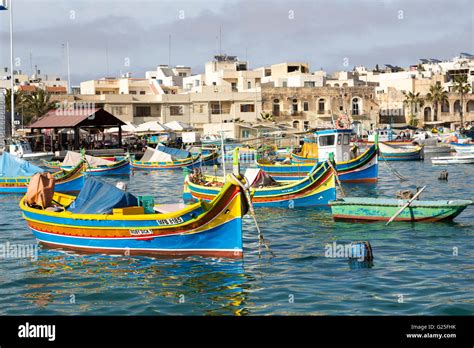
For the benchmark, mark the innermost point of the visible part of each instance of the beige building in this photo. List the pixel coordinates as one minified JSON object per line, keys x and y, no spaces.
{"x":305,"y":108}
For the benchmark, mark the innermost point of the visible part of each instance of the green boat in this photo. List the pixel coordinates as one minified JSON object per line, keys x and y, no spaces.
{"x":382,"y":209}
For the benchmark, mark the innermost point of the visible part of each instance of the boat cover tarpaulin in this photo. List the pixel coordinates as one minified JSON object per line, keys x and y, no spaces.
{"x":73,"y":158}
{"x":98,"y":197}
{"x":12,"y":166}
{"x":258,"y":178}
{"x":175,"y":153}
{"x":391,"y":149}
{"x":40,"y":190}
{"x":152,"y":155}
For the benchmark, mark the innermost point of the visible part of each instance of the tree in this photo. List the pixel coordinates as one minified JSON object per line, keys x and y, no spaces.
{"x":18,"y":99}
{"x":437,"y":96}
{"x":415,"y":102}
{"x":37,"y":104}
{"x":462,"y":87}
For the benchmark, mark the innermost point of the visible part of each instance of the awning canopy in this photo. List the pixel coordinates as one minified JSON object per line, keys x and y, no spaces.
{"x":178,"y":126}
{"x":96,"y":117}
{"x":152,"y":127}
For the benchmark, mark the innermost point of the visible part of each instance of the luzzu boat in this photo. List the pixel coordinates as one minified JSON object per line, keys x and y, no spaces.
{"x":317,"y":188}
{"x":94,"y":165}
{"x":363,"y":168}
{"x":402,"y":153}
{"x":382,"y":209}
{"x":15,"y":174}
{"x":167,"y":158}
{"x":104,"y":219}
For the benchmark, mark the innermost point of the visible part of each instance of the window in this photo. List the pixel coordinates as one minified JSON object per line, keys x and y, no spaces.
{"x":327,"y":140}
{"x":142,"y":92}
{"x":284,"y":84}
{"x":182,"y":74}
{"x":249,"y":85}
{"x":199,"y":108}
{"x":133,"y":92}
{"x":117,"y":110}
{"x":142,"y":111}
{"x":346,"y":140}
{"x":321,"y":106}
{"x":247,"y":108}
{"x":306,"y":125}
{"x":294,"y":107}
{"x":305,"y":106}
{"x":355,"y":106}
{"x":339,"y":139}
{"x":176,"y":110}
{"x":245,"y":134}
{"x":276,"y":107}
{"x":309,"y":84}
{"x":215,"y":108}
{"x":234,"y":86}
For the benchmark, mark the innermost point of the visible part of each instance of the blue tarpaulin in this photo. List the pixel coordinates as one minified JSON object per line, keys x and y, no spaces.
{"x":176,"y":153}
{"x":98,"y":197}
{"x":12,"y":166}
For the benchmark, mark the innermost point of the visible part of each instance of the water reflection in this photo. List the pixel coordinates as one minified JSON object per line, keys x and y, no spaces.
{"x":194,"y":285}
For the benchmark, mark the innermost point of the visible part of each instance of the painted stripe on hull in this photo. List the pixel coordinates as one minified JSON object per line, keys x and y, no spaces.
{"x":340,"y":217}
{"x":223,"y":239}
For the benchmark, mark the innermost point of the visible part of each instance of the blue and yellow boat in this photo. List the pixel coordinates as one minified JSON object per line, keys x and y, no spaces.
{"x":163,"y":158}
{"x":95,"y":166}
{"x":350,"y":168}
{"x":15,"y":174}
{"x":400,"y":153}
{"x":104,"y":219}
{"x":317,"y":188}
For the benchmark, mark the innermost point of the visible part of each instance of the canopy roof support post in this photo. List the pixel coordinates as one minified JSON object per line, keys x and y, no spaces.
{"x":76,"y":138}
{"x":120,"y":136}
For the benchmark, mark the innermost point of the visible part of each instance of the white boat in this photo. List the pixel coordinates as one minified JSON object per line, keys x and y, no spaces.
{"x":463,"y":148}
{"x":23,"y":150}
{"x":457,"y":159}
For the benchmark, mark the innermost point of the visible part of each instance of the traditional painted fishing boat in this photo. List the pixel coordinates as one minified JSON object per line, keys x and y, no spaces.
{"x":461,"y":159}
{"x":105,"y":219}
{"x":463,"y":148}
{"x":15,"y":174}
{"x":95,"y":166}
{"x":317,"y":188}
{"x":400,"y":153}
{"x":167,"y":158}
{"x":382,"y":209}
{"x":363,"y":168}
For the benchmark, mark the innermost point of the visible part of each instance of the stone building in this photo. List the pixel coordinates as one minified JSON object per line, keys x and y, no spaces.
{"x":311,"y":107}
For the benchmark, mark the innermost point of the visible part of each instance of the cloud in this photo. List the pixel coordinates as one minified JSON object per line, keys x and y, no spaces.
{"x":322,"y":33}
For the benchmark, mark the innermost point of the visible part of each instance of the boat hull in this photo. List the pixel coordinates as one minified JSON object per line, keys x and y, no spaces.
{"x":65,"y":183}
{"x":362,"y":169}
{"x":118,"y":168}
{"x":468,"y":159}
{"x":203,"y":229}
{"x":370,"y":209}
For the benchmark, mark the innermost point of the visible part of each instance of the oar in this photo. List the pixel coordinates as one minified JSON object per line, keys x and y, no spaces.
{"x":406,"y":205}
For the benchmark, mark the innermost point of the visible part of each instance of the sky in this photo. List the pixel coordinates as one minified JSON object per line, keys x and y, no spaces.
{"x":110,"y":37}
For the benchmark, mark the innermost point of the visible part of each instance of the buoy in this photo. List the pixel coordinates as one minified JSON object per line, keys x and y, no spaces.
{"x":443,"y":175}
{"x":361,"y":252}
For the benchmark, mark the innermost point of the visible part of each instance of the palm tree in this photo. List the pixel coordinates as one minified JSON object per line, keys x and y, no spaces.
{"x":415,"y":102}
{"x":462,"y":87}
{"x":18,"y":99}
{"x":437,"y":96}
{"x":38,"y":104}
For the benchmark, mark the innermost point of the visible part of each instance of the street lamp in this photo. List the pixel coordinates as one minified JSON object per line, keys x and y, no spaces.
{"x":3,"y":6}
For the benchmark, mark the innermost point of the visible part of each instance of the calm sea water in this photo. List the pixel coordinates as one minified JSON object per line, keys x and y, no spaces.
{"x":418,"y":269}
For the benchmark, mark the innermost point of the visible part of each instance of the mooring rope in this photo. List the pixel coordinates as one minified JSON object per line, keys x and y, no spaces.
{"x":337,"y":178}
{"x":261,"y":239}
{"x":394,"y":172}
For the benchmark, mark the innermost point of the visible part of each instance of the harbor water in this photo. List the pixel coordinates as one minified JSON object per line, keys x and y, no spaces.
{"x":418,"y":269}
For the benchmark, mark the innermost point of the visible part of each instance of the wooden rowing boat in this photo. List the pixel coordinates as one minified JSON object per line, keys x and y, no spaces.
{"x":460,"y":159}
{"x":400,"y":153}
{"x":382,"y":209}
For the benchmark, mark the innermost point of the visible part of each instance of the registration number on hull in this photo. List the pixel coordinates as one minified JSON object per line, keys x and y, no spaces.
{"x":171,"y":221}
